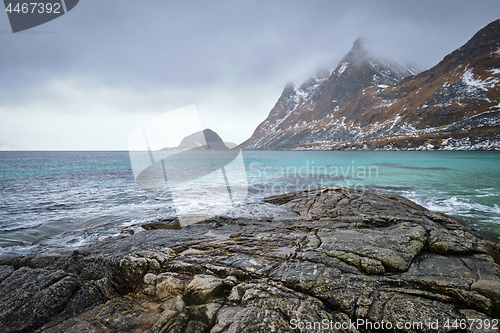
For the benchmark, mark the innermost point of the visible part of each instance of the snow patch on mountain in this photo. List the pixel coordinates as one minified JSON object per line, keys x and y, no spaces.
{"x":342,"y":68}
{"x":387,"y":103}
{"x":387,"y":72}
{"x":468,"y":79}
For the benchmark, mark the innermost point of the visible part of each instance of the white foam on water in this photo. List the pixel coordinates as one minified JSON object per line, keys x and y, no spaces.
{"x":486,"y":192}
{"x":17,"y":250}
{"x":457,"y":205}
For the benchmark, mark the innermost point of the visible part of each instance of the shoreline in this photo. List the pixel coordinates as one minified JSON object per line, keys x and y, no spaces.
{"x":333,"y":254}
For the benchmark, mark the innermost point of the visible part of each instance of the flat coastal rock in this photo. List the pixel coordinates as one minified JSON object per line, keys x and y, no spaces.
{"x":345,"y":259}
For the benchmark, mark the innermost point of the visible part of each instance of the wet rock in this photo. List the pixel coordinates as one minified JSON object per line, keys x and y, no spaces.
{"x":173,"y":319}
{"x":478,"y":322}
{"x":490,"y":288}
{"x":5,"y":271}
{"x":331,"y":254}
{"x":454,"y":242}
{"x":126,"y":232}
{"x":106,"y":288}
{"x":194,"y":326}
{"x":30,"y":297}
{"x":272,"y":307}
{"x":163,"y":224}
{"x":245,"y":320}
{"x":416,"y":312}
{"x":170,"y":284}
{"x":395,"y":247}
{"x":372,"y":266}
{"x":449,"y":277}
{"x":117,"y":315}
{"x":202,"y":288}
{"x":138,"y":264}
{"x":150,"y":284}
{"x":205,"y":313}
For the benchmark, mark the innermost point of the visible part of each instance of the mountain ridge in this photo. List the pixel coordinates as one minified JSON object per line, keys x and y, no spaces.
{"x":373,"y":103}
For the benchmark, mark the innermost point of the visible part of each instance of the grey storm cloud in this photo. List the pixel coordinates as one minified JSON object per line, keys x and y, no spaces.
{"x":215,"y":53}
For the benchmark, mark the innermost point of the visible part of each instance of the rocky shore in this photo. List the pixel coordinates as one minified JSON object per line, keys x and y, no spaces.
{"x":334,"y":256}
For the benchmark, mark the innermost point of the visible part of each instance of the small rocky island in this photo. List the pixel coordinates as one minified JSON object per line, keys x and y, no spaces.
{"x":334,"y":257}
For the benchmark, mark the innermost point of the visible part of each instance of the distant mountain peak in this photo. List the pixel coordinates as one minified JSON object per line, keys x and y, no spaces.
{"x":5,"y":146}
{"x":325,"y":93}
{"x":358,"y":44}
{"x":202,"y":140}
{"x":366,"y":68}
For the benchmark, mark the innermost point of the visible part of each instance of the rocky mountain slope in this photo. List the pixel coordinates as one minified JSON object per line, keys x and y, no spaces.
{"x":371,"y":103}
{"x":331,"y":255}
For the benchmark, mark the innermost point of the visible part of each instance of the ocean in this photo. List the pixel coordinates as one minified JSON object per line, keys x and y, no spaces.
{"x":56,"y":201}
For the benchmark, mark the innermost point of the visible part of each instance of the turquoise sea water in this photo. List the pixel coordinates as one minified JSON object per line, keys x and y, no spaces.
{"x":55,"y":200}
{"x":463,"y":184}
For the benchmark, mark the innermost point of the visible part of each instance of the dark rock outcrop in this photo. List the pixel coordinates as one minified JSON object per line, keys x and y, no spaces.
{"x":337,"y":256}
{"x":202,"y":140}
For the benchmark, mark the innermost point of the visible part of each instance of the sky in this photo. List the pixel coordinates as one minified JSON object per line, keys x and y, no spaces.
{"x":87,"y":79}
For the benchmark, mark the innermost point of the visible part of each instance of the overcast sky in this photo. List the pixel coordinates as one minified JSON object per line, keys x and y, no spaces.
{"x":84,"y":81}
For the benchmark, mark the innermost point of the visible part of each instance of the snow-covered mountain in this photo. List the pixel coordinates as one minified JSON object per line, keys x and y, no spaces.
{"x":372,"y":103}
{"x":5,"y":146}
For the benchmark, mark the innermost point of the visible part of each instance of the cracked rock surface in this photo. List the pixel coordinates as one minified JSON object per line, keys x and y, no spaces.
{"x":334,"y":255}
